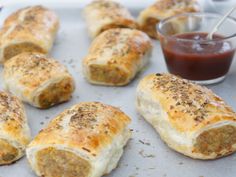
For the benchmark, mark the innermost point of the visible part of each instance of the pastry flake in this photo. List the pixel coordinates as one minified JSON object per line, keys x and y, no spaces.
{"x":86,"y":140}
{"x":30,"y":29}
{"x":38,"y":80}
{"x":102,"y":15}
{"x":190,"y":118}
{"x":162,"y":9}
{"x":116,"y":56}
{"x":14,"y":129}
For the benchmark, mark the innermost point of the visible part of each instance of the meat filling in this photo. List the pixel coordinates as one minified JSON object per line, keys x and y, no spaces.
{"x":8,"y":153}
{"x":112,"y":75}
{"x":150,"y":27}
{"x":57,"y":163}
{"x":15,"y":49}
{"x":56,"y":93}
{"x":216,"y":140}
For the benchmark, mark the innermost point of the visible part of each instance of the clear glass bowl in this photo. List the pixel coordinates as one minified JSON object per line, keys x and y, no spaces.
{"x":189,"y":54}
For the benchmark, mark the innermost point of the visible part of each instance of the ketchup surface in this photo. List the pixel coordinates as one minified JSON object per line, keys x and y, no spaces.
{"x":198,"y":60}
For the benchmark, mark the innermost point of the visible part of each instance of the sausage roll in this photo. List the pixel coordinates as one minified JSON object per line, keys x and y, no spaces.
{"x":190,"y":118}
{"x":14,"y":130}
{"x":38,"y":80}
{"x":102,"y":15}
{"x":116,"y":56}
{"x":31,"y":29}
{"x":86,"y":140}
{"x":162,"y":9}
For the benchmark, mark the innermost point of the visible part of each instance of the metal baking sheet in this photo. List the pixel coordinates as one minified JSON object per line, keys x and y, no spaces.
{"x":145,"y":155}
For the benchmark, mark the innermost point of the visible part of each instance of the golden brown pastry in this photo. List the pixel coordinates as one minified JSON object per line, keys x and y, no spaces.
{"x":102,"y":15}
{"x":31,"y":29}
{"x":190,"y":118}
{"x":86,"y":140}
{"x":38,"y":80}
{"x":14,"y":130}
{"x":162,"y":9}
{"x":116,"y":56}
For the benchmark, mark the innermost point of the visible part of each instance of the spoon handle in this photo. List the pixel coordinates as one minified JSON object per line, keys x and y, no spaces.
{"x":210,"y":35}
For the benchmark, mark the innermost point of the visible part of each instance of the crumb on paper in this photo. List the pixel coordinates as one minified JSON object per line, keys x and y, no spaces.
{"x":133,"y":175}
{"x":56,"y":42}
{"x":146,"y":155}
{"x":144,"y":143}
{"x":152,"y":168}
{"x":181,"y":163}
{"x":70,"y":61}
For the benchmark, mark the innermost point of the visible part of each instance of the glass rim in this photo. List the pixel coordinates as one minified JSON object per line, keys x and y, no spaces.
{"x":173,"y":37}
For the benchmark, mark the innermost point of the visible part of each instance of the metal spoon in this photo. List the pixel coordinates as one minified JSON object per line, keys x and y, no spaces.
{"x":210,"y":35}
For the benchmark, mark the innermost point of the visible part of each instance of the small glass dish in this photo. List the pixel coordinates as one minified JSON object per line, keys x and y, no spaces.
{"x":189,"y":54}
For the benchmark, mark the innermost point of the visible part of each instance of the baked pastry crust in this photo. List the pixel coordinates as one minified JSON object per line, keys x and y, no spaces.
{"x":31,"y":29}
{"x":38,"y":80}
{"x":190,"y":118}
{"x":116,"y":56}
{"x":14,"y":130}
{"x":162,"y":9}
{"x":86,"y":140}
{"x":102,"y":15}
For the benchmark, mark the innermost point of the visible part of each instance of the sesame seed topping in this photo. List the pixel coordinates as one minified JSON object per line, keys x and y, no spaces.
{"x":187,"y":97}
{"x":84,"y":117}
{"x":10,"y":109}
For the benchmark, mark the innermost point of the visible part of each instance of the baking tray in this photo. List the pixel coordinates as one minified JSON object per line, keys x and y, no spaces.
{"x":145,"y":155}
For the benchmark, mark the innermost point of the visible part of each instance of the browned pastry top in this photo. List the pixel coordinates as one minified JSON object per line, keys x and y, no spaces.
{"x":33,"y":69}
{"x":88,"y":126}
{"x":12,"y":117}
{"x":189,"y":106}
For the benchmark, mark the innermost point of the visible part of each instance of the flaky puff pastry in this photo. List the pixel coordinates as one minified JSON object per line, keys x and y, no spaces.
{"x":190,"y":118}
{"x":86,"y":140}
{"x":116,"y":56}
{"x":101,"y":15}
{"x":38,"y":80}
{"x":31,"y":29}
{"x":14,"y":130}
{"x":162,"y":9}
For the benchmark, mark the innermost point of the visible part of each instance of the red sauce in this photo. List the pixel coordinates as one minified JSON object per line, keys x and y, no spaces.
{"x":198,"y":60}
